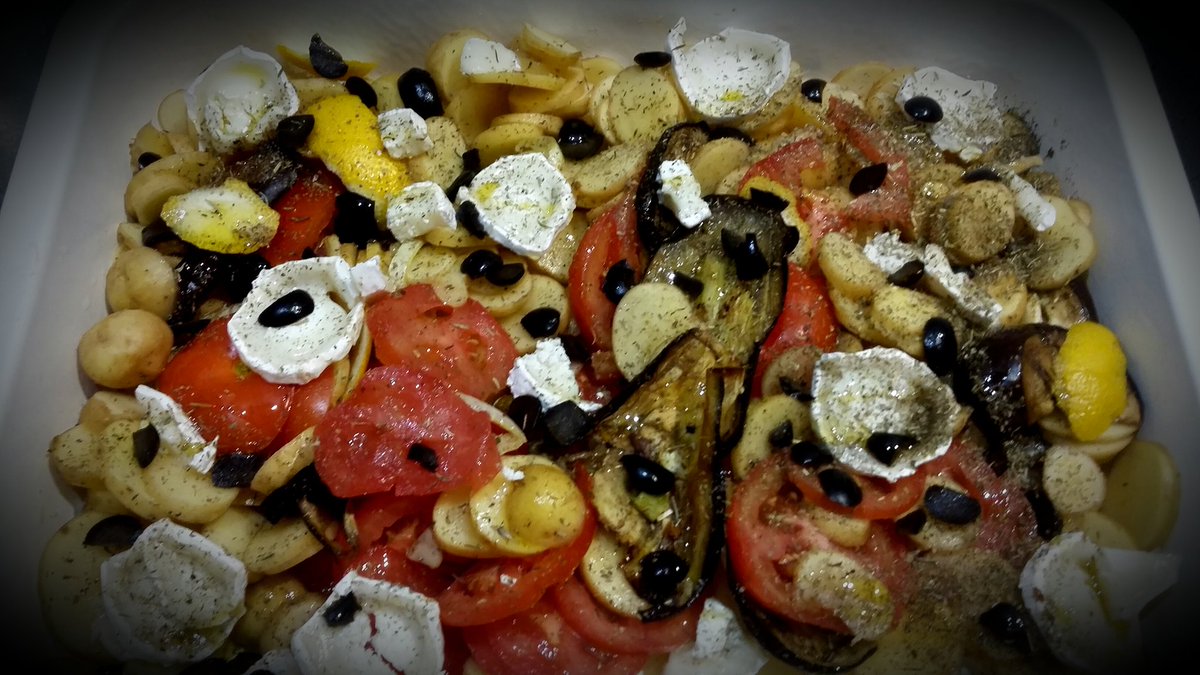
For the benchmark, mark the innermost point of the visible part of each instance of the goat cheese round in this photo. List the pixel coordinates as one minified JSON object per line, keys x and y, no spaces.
{"x":393,"y":630}
{"x":299,"y":351}
{"x":971,"y":122}
{"x":523,"y":202}
{"x":239,"y":100}
{"x":171,"y":598}
{"x":731,"y":74}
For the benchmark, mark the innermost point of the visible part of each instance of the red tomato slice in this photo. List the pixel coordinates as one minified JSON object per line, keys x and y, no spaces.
{"x":789,"y":164}
{"x":310,"y":402}
{"x":494,"y":589}
{"x":306,"y":213}
{"x":767,"y":530}
{"x":807,"y":318}
{"x":374,"y":514}
{"x":363,"y":443}
{"x":539,"y":640}
{"x":227,"y":401}
{"x":890,"y":206}
{"x":389,"y":561}
{"x":621,"y":634}
{"x":465,"y":346}
{"x":613,"y":237}
{"x":881,"y":499}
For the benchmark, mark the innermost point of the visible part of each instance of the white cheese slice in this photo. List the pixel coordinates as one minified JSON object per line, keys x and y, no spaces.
{"x":369,"y":276}
{"x":856,"y":394}
{"x":721,"y":646}
{"x":523,"y":202}
{"x":1033,"y":207}
{"x":395,"y":630}
{"x":239,"y":100}
{"x":547,"y":374}
{"x":404,"y":133}
{"x":419,"y":208}
{"x":176,"y":430}
{"x":171,"y":598}
{"x":299,"y":352}
{"x":731,"y":74}
{"x":481,"y":56}
{"x":680,"y":192}
{"x":971,"y":122}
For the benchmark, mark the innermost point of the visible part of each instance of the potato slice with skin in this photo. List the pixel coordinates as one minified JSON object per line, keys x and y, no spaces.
{"x":235,"y":529}
{"x":715,"y":159}
{"x":861,"y":77}
{"x":901,"y":314}
{"x":488,"y":507}
{"x":443,"y":162}
{"x":647,"y":319}
{"x":285,"y":462}
{"x":502,"y":139}
{"x":602,"y":176}
{"x":186,"y":495}
{"x":279,"y":547}
{"x":454,"y":529}
{"x":602,"y":574}
{"x":1142,"y":493}
{"x":642,"y":103}
{"x":1073,"y":481}
{"x":763,"y":417}
{"x":544,"y":100}
{"x":550,"y":49}
{"x":847,"y":267}
{"x":75,"y":457}
{"x":123,"y":477}
{"x":69,"y":586}
{"x":475,"y":106}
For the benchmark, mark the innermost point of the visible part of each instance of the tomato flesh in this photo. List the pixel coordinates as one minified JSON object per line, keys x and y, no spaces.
{"x":881,"y":499}
{"x":622,"y":634}
{"x":613,"y":237}
{"x":306,"y":214}
{"x":807,"y":318}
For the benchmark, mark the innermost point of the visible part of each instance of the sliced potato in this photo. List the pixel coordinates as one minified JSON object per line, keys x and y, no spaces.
{"x":642,"y":103}
{"x":69,"y":586}
{"x":105,"y":407}
{"x":715,"y":159}
{"x":549,"y":125}
{"x":1142,"y":493}
{"x":266,"y":600}
{"x":842,"y":530}
{"x":900,"y":314}
{"x":123,"y":477}
{"x":533,"y":76}
{"x":489,"y":509}
{"x":279,"y":547}
{"x":861,"y":77}
{"x":648,"y":318}
{"x":475,"y":106}
{"x":444,"y":61}
{"x":601,"y":571}
{"x":148,"y":138}
{"x":443,"y":162}
{"x":1055,"y":257}
{"x":185,"y":494}
{"x":847,"y":267}
{"x":1101,"y":529}
{"x":550,"y":49}
{"x":454,"y":528}
{"x":235,"y":529}
{"x":172,"y":114}
{"x":285,"y":462}
{"x":75,"y":457}
{"x":764,"y":416}
{"x":1073,"y":481}
{"x":602,"y":176}
{"x":172,"y":175}
{"x":564,"y":99}
{"x":556,"y":261}
{"x":499,"y":140}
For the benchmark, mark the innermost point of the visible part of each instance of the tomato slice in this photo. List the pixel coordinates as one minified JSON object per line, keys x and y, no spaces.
{"x":807,"y":318}
{"x":228,"y":402}
{"x":791,"y":165}
{"x":539,"y":640}
{"x":306,"y":214}
{"x":621,"y":634}
{"x":889,"y":206}
{"x":493,"y":589}
{"x":310,"y":402}
{"x":613,"y":237}
{"x":767,"y":531}
{"x":881,"y":499}
{"x":389,"y":561}
{"x":374,"y":514}
{"x":465,"y":346}
{"x":364,"y":443}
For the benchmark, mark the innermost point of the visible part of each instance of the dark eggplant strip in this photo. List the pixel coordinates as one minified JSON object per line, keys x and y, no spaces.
{"x":657,"y":224}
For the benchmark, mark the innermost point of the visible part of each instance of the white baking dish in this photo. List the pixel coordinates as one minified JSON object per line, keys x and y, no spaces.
{"x":1074,"y":67}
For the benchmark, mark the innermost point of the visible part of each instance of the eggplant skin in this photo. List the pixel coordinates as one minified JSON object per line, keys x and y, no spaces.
{"x":657,"y":225}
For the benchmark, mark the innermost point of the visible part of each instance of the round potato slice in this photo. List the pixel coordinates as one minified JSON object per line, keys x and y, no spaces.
{"x":647,"y":319}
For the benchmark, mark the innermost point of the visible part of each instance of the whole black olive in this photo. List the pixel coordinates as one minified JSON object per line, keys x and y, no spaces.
{"x":941,"y":346}
{"x":579,"y":140}
{"x":813,"y":89}
{"x":341,"y":611}
{"x":326,"y":60}
{"x":951,"y":506}
{"x":885,"y":446}
{"x":690,"y":285}
{"x":908,"y":275}
{"x":840,"y":487}
{"x":480,"y":262}
{"x":868,"y":179}
{"x":354,"y":222}
{"x":363,"y":90}
{"x":809,"y":454}
{"x":643,"y":474}
{"x":235,"y":469}
{"x":618,"y":280}
{"x":661,"y":573}
{"x":923,"y":109}
{"x":291,"y":132}
{"x":541,"y":322}
{"x":505,"y":274}
{"x":1006,"y":623}
{"x":288,"y":309}
{"x":419,"y":92}
{"x":467,"y":215}
{"x":653,"y":59}
{"x":147,"y":158}
{"x":566,"y":423}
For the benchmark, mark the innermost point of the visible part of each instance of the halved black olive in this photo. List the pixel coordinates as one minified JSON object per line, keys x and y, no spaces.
{"x":885,"y":446}
{"x":480,"y":262}
{"x":747,"y":255}
{"x":908,"y":275}
{"x":118,"y":531}
{"x":145,"y":445}
{"x":147,"y":158}
{"x":240,"y":271}
{"x":305,"y":487}
{"x":526,"y":411}
{"x":981,"y":173}
{"x":690,"y":285}
{"x":1005,"y":622}
{"x":157,"y":233}
{"x":652,"y":59}
{"x":288,"y":309}
{"x":326,"y":60}
{"x":293,"y":131}
{"x":768,"y":199}
{"x":471,"y":160}
{"x":505,"y":274}
{"x":811,"y":455}
{"x":643,"y":474}
{"x":1049,"y":522}
{"x":618,"y":280}
{"x":941,"y":346}
{"x":235,"y":469}
{"x":912,"y":522}
{"x":567,"y":423}
{"x":354,"y":221}
{"x":341,"y":611}
{"x":419,"y":92}
{"x":467,"y":215}
{"x":425,"y":456}
{"x":923,"y":109}
{"x":812,"y":89}
{"x":840,"y":487}
{"x":541,"y":322}
{"x":661,"y":573}
{"x":951,"y":506}
{"x":579,"y":140}
{"x":781,"y":436}
{"x":363,"y":90}
{"x":868,"y":179}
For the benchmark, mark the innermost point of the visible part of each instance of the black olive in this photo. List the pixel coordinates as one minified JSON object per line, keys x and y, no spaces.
{"x":467,"y":215}
{"x":363,"y":90}
{"x":341,"y":611}
{"x":566,"y":423}
{"x":730,"y":132}
{"x":240,"y":272}
{"x":235,"y":469}
{"x":912,"y":522}
{"x":646,"y":475}
{"x":479,"y":262}
{"x":797,"y":390}
{"x":781,"y":435}
{"x":923,"y":109}
{"x":1007,"y":623}
{"x":471,"y":160}
{"x":288,"y":309}
{"x":578,"y":349}
{"x":768,"y":199}
{"x":157,"y":232}
{"x":652,"y":59}
{"x":425,"y":456}
{"x":461,"y":180}
{"x":1049,"y":522}
{"x":809,"y":454}
{"x":419,"y":92}
{"x":951,"y":506}
{"x":840,"y":487}
{"x":908,"y":275}
{"x":145,"y":445}
{"x":325,"y":59}
{"x":868,"y":179}
{"x":813,"y":89}
{"x":981,"y":173}
{"x":579,"y":140}
{"x":661,"y":573}
{"x":182,"y":332}
{"x":885,"y":446}
{"x":541,"y":322}
{"x":119,"y":531}
{"x":526,"y":411}
{"x":505,"y":274}
{"x":747,"y":256}
{"x":292,"y":132}
{"x":618,"y":280}
{"x":146,"y":159}
{"x":354,"y":221}
{"x":941,"y":346}
{"x":690,"y":285}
